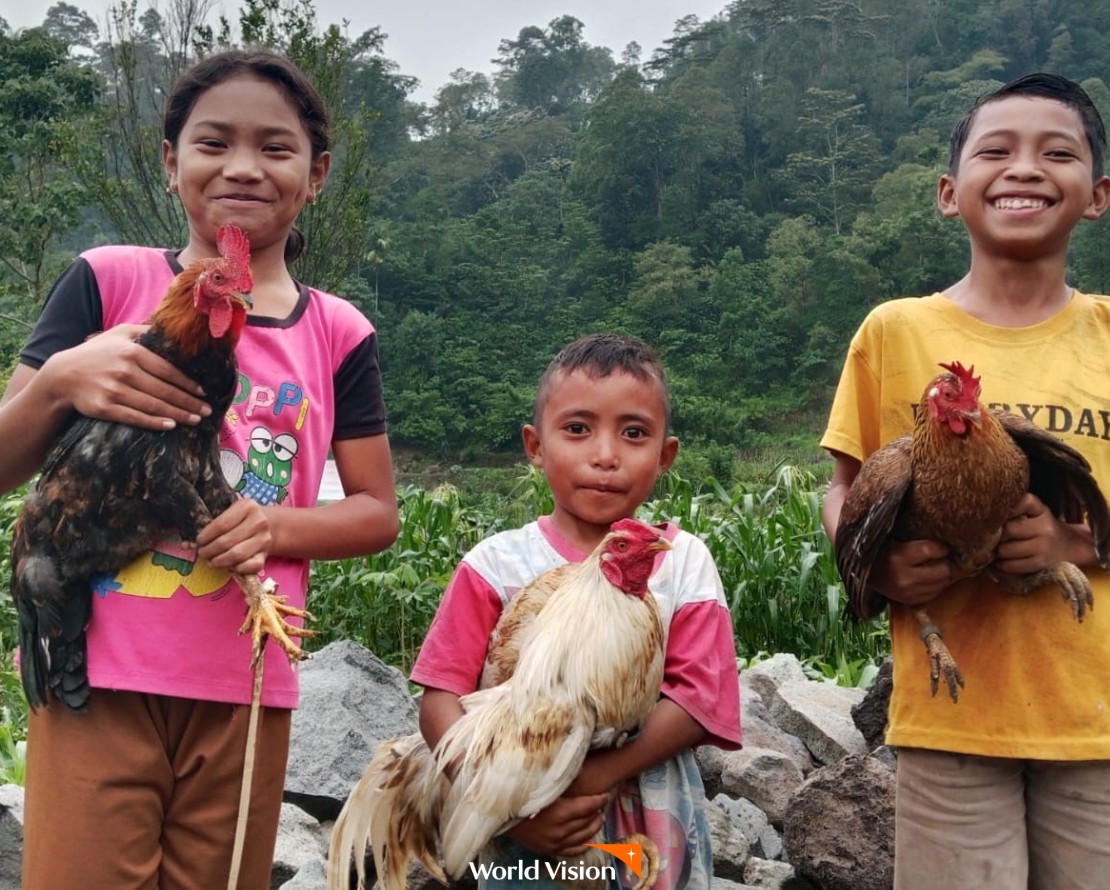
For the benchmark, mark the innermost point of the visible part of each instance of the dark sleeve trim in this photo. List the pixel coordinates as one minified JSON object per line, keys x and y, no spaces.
{"x":71,"y":313}
{"x":359,"y":406}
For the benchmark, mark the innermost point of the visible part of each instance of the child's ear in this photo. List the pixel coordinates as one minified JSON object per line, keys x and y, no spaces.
{"x":1100,"y":198}
{"x":533,"y":447}
{"x":667,"y":455}
{"x":169,"y":159}
{"x":318,"y":174}
{"x":946,"y":196}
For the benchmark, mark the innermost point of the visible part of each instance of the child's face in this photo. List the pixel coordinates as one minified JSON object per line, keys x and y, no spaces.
{"x":244,"y":156}
{"x":1024,"y":178}
{"x":602,"y":442}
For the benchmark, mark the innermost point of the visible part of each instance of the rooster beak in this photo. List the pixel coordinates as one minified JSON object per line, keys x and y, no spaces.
{"x":974,"y":416}
{"x":659,"y":543}
{"x":247,"y":301}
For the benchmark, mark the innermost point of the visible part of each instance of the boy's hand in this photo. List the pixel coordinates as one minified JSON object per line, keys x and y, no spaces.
{"x":564,"y":827}
{"x":239,"y":539}
{"x":912,"y":572}
{"x":1033,"y":539}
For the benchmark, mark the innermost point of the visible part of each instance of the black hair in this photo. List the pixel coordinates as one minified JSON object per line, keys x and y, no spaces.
{"x":219,"y":67}
{"x":1043,"y":86}
{"x":599,"y":355}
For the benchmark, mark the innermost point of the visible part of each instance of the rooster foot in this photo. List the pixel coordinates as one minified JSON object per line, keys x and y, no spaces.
{"x":940,"y":659}
{"x":649,"y":868}
{"x":266,"y":613}
{"x":1075,"y":588}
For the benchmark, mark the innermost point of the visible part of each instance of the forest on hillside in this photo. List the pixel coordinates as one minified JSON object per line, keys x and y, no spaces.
{"x":739,"y":197}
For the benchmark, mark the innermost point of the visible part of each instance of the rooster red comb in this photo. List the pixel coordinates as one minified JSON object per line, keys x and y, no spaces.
{"x":968,"y":381}
{"x":234,"y":245}
{"x":636,"y":529}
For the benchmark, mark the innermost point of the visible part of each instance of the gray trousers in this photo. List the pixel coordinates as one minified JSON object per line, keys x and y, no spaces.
{"x":964,"y":822}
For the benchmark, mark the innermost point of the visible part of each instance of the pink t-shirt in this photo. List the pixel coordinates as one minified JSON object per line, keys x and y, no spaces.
{"x":699,"y":672}
{"x":168,"y":623}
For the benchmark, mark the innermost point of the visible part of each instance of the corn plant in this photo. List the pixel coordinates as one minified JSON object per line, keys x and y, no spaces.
{"x":778,"y":570}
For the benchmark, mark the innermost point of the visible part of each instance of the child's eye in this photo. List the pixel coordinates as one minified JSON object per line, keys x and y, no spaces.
{"x":635,"y":432}
{"x":277,"y":149}
{"x":575,"y":429}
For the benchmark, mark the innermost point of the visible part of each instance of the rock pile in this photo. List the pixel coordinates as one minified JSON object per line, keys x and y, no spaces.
{"x":807,"y":804}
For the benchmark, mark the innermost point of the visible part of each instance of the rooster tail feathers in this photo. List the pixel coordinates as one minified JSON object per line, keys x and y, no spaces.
{"x":390,"y":811}
{"x":53,"y":616}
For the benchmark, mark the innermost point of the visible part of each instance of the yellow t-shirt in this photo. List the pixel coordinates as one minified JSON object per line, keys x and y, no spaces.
{"x":1038,"y":681}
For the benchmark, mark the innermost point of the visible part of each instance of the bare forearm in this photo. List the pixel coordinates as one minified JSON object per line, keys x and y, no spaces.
{"x":355,"y":526}
{"x":30,"y":417}
{"x":439,"y":709}
{"x":668,"y":730}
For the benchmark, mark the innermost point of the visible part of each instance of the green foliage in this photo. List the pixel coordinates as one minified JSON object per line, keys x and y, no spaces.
{"x":13,"y":705}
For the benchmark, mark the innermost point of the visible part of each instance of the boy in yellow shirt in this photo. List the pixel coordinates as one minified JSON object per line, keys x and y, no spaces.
{"x":1009,"y":788}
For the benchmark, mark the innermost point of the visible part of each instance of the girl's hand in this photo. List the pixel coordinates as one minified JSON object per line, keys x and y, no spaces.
{"x":1033,"y":539}
{"x":564,"y":827}
{"x":112,"y":377}
{"x":239,"y":539}
{"x":912,"y":572}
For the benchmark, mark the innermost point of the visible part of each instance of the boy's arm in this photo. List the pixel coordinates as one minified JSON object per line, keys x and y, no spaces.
{"x":667,"y":731}
{"x":909,"y":572}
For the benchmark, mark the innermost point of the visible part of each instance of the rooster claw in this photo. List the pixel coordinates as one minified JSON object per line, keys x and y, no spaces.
{"x":941,"y":662}
{"x":266,"y":613}
{"x":1075,"y":588}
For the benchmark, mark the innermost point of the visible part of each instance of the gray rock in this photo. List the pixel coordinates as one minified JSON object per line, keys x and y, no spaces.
{"x":769,"y":675}
{"x":766,"y":874}
{"x":730,"y":846}
{"x":299,"y":842}
{"x":839,"y":829}
{"x":870,"y":714}
{"x":820,"y":714}
{"x":11,"y":836}
{"x":766,"y":778}
{"x":312,"y":875}
{"x":350,"y":701}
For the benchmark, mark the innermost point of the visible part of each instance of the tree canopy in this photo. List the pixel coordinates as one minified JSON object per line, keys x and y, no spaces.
{"x":739,"y":196}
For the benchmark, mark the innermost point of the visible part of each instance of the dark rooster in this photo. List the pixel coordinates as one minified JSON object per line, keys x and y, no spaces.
{"x":955,"y":479}
{"x":109,"y":492}
{"x":577,"y":659}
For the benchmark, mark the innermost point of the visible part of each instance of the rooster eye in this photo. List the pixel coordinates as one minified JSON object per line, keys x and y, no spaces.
{"x":621,"y":544}
{"x":218,"y":277}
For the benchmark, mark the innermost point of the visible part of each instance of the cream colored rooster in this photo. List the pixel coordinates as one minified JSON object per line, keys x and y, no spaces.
{"x":575,"y":663}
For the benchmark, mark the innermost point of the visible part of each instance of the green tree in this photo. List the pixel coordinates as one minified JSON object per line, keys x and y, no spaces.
{"x":44,"y":99}
{"x":831,"y":175}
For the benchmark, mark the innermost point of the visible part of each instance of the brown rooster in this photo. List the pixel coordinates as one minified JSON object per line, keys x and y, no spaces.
{"x":955,"y":479}
{"x":109,"y":492}
{"x":561,"y":687}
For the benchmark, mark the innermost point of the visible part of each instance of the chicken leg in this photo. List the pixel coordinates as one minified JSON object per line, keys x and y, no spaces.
{"x":1072,"y":581}
{"x":940,"y":659}
{"x":266,"y":612}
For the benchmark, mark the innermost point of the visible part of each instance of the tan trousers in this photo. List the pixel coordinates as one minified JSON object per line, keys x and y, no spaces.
{"x":982,"y":823}
{"x":142,"y":793}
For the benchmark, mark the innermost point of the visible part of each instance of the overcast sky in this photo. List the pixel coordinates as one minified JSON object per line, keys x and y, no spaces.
{"x":431,"y":38}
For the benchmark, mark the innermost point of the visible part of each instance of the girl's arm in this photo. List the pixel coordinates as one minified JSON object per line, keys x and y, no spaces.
{"x":108,"y":376}
{"x":364,"y":521}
